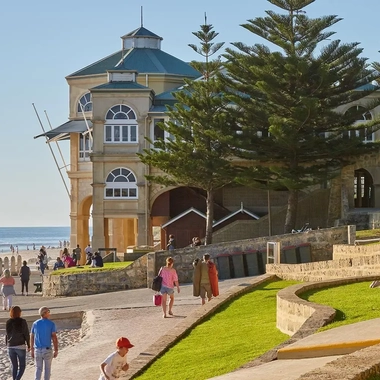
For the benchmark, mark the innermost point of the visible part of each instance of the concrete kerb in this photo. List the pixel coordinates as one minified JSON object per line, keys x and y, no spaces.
{"x":144,"y":359}
{"x":359,"y":365}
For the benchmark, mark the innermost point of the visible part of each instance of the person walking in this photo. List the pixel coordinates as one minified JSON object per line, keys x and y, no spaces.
{"x":18,"y":341}
{"x":205,"y":279}
{"x":169,"y":280}
{"x":24,"y":276}
{"x":116,"y":363}
{"x":42,"y":334}
{"x":7,"y":289}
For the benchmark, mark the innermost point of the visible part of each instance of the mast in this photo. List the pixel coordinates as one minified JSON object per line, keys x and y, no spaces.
{"x":51,"y":150}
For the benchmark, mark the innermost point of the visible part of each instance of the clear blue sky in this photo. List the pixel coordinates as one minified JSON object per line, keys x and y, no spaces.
{"x":44,"y":41}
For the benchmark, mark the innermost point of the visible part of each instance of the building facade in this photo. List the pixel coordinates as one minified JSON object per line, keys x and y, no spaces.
{"x":114,"y":104}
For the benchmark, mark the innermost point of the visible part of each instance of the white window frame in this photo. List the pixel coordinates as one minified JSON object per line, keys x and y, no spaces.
{"x":86,"y":101}
{"x":127,"y":184}
{"x":121,"y":126}
{"x":85,"y":147}
{"x":165,"y":133}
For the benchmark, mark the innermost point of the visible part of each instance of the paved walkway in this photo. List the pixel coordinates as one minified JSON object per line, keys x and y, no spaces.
{"x":131,"y":313}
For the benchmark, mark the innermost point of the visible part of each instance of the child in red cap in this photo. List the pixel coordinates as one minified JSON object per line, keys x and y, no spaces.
{"x":116,"y":362}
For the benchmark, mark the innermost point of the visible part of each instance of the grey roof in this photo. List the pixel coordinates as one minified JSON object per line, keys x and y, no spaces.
{"x":78,"y":126}
{"x":141,"y":32}
{"x":121,"y":86}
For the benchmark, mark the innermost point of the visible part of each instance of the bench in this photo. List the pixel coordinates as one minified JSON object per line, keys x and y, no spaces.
{"x":366,"y":241}
{"x":38,"y":286}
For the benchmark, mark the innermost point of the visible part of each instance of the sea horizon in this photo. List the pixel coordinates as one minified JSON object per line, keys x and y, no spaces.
{"x":32,"y":238}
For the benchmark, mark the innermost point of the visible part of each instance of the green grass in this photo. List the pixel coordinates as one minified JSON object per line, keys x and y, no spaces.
{"x":374,"y":377}
{"x":353,"y":302}
{"x":237,"y":333}
{"x":368,"y":234}
{"x":87,"y":268}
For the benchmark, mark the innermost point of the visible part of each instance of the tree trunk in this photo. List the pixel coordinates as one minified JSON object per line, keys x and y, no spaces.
{"x":209,"y":216}
{"x":291,"y":212}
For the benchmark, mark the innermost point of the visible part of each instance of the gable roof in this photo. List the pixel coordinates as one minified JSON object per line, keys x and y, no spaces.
{"x":182,"y":214}
{"x":241,"y":210}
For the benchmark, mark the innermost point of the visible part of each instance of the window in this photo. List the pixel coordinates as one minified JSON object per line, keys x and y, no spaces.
{"x":121,"y":125}
{"x":86,"y":103}
{"x":158,"y":133}
{"x":121,"y":184}
{"x":85,"y":147}
{"x":363,"y":116}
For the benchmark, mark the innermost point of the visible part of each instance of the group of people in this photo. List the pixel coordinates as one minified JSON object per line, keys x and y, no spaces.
{"x":205,"y":282}
{"x":67,"y":260}
{"x":42,"y":342}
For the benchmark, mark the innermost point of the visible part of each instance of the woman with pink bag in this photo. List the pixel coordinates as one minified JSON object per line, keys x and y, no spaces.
{"x":169,"y":280}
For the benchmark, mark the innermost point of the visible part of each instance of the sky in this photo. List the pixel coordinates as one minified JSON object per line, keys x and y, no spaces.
{"x":44,"y":41}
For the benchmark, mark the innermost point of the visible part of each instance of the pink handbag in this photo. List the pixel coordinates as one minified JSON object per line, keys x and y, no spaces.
{"x":157,"y":299}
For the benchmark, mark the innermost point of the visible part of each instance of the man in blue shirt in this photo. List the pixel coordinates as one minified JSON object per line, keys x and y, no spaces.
{"x":42,"y":334}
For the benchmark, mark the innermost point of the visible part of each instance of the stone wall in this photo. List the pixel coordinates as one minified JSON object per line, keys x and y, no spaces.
{"x":141,"y":272}
{"x":330,"y":269}
{"x":344,"y":251}
{"x":293,"y":312}
{"x":132,"y":277}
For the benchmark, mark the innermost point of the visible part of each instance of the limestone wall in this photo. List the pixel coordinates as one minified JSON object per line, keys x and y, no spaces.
{"x":132,"y":277}
{"x":325,"y":270}
{"x":141,"y":272}
{"x":293,"y":312}
{"x":343,"y":251}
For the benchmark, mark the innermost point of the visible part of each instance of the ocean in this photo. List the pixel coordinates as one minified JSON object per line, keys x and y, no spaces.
{"x":25,"y":237}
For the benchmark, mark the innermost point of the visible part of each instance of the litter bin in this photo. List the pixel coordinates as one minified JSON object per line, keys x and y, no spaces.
{"x":289,"y":255}
{"x":224,"y":269}
{"x":238,"y":264}
{"x":262,"y":260}
{"x":304,"y":251}
{"x":252,"y":260}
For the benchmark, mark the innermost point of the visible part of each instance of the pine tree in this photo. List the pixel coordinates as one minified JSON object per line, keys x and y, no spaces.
{"x":197,"y":153}
{"x":290,"y":101}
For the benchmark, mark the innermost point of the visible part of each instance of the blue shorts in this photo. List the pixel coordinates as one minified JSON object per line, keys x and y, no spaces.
{"x":166,"y":290}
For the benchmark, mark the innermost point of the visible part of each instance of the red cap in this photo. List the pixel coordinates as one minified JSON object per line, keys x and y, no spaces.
{"x":123,"y":342}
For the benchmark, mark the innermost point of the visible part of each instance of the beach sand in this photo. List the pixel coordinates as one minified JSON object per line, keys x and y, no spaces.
{"x":31,"y":256}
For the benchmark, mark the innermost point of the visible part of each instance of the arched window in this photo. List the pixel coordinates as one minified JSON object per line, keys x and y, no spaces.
{"x":362,"y":115}
{"x":121,"y":184}
{"x":86,"y":103}
{"x":121,"y":125}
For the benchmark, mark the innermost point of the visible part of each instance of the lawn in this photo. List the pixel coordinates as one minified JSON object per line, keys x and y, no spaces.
{"x":87,"y":268}
{"x":354,"y":302}
{"x":237,"y":333}
{"x":368,"y":234}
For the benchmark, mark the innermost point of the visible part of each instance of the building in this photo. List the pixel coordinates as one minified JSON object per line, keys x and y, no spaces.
{"x":117,"y":101}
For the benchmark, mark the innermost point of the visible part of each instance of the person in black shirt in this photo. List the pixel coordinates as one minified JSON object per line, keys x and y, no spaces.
{"x":24,"y":276}
{"x":18,"y":341}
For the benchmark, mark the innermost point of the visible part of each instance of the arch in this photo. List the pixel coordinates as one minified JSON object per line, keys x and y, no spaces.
{"x":120,"y":111}
{"x":363,"y":189}
{"x":86,"y":102}
{"x":121,"y":125}
{"x":121,"y":183}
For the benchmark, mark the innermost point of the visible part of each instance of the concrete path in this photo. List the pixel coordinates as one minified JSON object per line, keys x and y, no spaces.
{"x":131,"y":313}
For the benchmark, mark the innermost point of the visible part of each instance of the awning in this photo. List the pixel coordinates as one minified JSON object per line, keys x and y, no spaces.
{"x":62,"y":132}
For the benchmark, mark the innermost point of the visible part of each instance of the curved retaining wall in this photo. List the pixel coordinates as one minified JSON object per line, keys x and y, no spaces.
{"x":293,"y":312}
{"x":299,"y":318}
